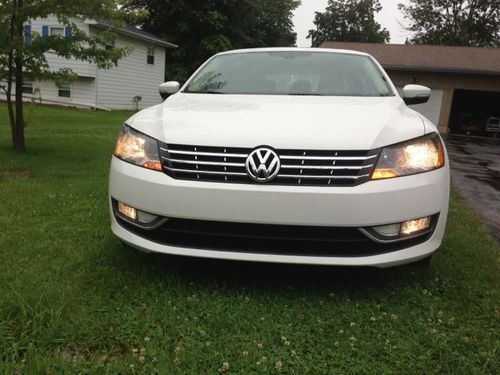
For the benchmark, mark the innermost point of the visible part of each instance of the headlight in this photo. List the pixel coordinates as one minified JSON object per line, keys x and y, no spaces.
{"x":138,"y":149}
{"x":416,"y":156}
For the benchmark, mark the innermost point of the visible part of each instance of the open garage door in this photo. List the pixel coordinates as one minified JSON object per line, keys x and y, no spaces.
{"x":475,"y":113}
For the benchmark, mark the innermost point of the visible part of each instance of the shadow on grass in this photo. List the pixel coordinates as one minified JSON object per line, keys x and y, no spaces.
{"x":266,"y":276}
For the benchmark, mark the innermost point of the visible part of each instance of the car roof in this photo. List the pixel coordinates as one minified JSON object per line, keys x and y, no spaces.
{"x":294,"y":49}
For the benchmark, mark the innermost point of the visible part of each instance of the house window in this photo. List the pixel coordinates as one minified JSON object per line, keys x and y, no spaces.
{"x":64,"y":90}
{"x":151,"y":55}
{"x":27,"y":87}
{"x":57,"y":31}
{"x":110,"y":44}
{"x":27,"y":34}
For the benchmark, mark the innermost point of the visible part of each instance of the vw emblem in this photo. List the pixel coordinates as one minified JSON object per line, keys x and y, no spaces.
{"x":263,"y":164}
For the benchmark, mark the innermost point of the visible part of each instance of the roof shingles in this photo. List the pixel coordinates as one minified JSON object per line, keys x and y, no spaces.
{"x":449,"y":59}
{"x":132,"y":30}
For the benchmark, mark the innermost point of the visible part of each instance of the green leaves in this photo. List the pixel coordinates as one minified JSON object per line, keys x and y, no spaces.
{"x":202,"y":28}
{"x":349,"y":21}
{"x":23,"y":52}
{"x":79,"y":45}
{"x":451,"y":22}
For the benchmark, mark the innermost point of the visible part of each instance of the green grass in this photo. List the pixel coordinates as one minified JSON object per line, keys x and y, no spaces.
{"x":73,"y":299}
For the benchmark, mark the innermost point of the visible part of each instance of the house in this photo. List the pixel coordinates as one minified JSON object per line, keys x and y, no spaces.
{"x":132,"y":84}
{"x":465,"y":81}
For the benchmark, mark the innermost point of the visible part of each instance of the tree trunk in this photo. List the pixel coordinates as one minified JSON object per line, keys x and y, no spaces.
{"x":18,"y":131}
{"x":10,"y":105}
{"x":10,"y":78}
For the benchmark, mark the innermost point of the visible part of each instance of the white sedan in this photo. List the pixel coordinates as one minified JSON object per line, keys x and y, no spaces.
{"x":283,"y":155}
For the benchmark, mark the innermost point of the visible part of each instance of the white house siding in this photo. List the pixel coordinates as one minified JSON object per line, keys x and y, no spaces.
{"x":82,"y":92}
{"x":114,"y":88}
{"x":432,"y":108}
{"x":82,"y":68}
{"x":117,"y":87}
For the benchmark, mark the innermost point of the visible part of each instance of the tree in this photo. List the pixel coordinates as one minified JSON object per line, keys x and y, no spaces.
{"x":203,"y":28}
{"x":454,"y":22}
{"x":22,"y":53}
{"x":348,"y":21}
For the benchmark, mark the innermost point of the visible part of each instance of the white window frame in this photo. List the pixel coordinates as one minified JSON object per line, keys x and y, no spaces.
{"x":56,"y":28}
{"x":150,"y":53}
{"x":28,"y":87}
{"x":64,"y":88}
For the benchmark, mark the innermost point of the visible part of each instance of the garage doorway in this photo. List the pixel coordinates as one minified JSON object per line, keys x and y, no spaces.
{"x":475,"y":113}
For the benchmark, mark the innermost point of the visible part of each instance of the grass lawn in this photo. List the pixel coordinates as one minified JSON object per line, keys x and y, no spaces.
{"x":73,"y":299}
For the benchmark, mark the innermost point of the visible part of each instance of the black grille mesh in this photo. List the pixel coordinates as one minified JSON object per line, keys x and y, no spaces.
{"x":268,"y":239}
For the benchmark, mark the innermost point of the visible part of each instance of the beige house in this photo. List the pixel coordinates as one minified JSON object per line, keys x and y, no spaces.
{"x":465,"y":81}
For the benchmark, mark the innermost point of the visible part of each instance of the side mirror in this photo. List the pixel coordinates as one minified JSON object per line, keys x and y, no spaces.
{"x":416,"y":94}
{"x":169,"y":88}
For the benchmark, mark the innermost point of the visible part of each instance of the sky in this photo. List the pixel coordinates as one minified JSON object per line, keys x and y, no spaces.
{"x":389,"y":17}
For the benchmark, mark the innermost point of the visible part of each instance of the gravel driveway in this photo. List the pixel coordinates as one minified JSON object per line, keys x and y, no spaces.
{"x":475,"y":172}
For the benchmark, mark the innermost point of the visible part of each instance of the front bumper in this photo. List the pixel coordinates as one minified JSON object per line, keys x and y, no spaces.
{"x":370,"y":204}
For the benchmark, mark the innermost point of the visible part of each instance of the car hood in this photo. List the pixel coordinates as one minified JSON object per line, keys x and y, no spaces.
{"x":282,"y":122}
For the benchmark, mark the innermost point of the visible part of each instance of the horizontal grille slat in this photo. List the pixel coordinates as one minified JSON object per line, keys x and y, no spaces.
{"x":325,"y":167}
{"x":321,"y":177}
{"x":226,"y":164}
{"x":298,"y":167}
{"x":206,"y":172}
{"x":333,"y":158}
{"x":208,"y":153}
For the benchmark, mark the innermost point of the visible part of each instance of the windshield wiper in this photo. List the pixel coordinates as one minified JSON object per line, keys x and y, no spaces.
{"x":311,"y":94}
{"x":205,"y":92}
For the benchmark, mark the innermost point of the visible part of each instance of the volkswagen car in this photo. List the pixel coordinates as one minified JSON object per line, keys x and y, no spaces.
{"x":287,"y":155}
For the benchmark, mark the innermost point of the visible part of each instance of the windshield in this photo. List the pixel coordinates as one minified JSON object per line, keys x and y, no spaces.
{"x":291,"y":73}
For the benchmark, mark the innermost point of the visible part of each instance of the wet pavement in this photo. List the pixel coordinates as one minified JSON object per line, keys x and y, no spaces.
{"x":475,"y":173}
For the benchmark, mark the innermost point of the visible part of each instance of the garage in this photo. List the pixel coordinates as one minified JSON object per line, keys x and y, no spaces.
{"x":431,"y":109}
{"x":475,"y":113}
{"x":465,"y":82}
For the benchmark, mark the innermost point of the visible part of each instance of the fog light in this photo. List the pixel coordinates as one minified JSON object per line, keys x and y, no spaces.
{"x":128,"y":211}
{"x":413,"y":226}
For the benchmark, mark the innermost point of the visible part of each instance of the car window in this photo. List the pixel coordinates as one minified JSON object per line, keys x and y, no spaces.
{"x":291,"y":73}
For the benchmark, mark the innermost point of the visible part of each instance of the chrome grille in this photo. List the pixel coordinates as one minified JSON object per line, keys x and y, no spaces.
{"x":298,"y":167}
